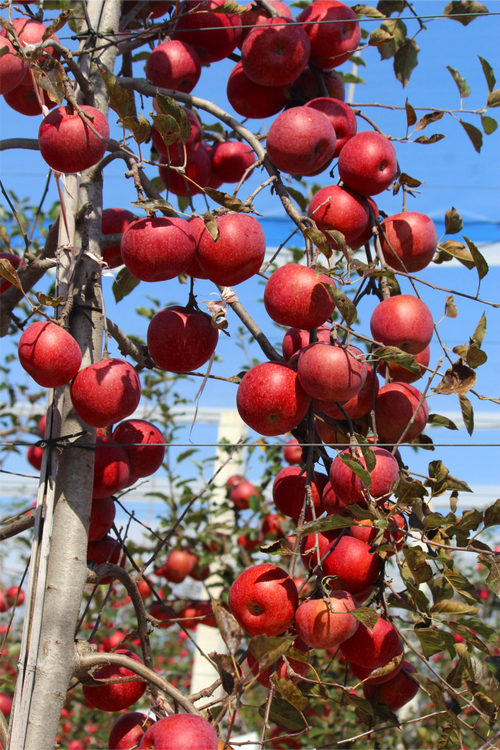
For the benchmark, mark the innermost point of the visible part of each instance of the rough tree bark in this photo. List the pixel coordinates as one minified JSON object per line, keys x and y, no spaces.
{"x":36,"y":725}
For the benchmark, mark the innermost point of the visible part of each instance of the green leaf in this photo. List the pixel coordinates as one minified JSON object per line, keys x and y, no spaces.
{"x":49,"y":75}
{"x":388,"y":7}
{"x":399,"y":357}
{"x":415,"y":559}
{"x":426,"y":141}
{"x":368,"y":11}
{"x":378,"y":37}
{"x":169,"y":106}
{"x":139,"y":126}
{"x":464,"y":11}
{"x":450,"y":737}
{"x":284,"y":714}
{"x":226,"y":200}
{"x":427,"y":119}
{"x":267,"y":650}
{"x":409,"y":491}
{"x":467,"y":413}
{"x":297,"y":196}
{"x":493,"y":664}
{"x":140,"y":56}
{"x":366,"y":616}
{"x":462,"y":85}
{"x":326,"y":524}
{"x":211,"y":225}
{"x":357,"y":467}
{"x":434,"y":641}
{"x":319,"y":240}
{"x":406,"y":60}
{"x":368,"y":455}
{"x":488,"y":73}
{"x":493,"y":99}
{"x":344,"y":305}
{"x":474,"y":134}
{"x":121,"y":100}
{"x":338,"y":241}
{"x":452,"y":249}
{"x":290,"y":692}
{"x":397,"y":30}
{"x":349,"y":77}
{"x":215,"y":127}
{"x":168,"y":128}
{"x":411,"y":117}
{"x":493,"y":579}
{"x":439,"y":420}
{"x":479,"y":262}
{"x":461,"y":584}
{"x":450,"y":607}
{"x":492,"y":515}
{"x":450,"y":308}
{"x":489,"y":124}
{"x":453,"y":222}
{"x":124,"y":284}
{"x":480,"y":332}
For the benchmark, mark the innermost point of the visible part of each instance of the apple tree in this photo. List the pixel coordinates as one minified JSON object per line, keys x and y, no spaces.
{"x":351,"y":612}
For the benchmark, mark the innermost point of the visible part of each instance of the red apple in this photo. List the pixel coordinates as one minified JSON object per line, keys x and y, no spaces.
{"x":372,"y":648}
{"x":263,"y":599}
{"x":12,"y":68}
{"x":270,"y":399}
{"x":331,"y":373}
{"x":362,"y":673}
{"x":347,"y":485}
{"x":395,"y":405}
{"x":301,"y":141}
{"x":275,"y":54}
{"x":250,"y":99}
{"x":115,"y":220}
{"x":289,"y":491}
{"x":198,"y":172}
{"x":368,"y":163}
{"x":119,"y":696}
{"x":40,"y":428}
{"x":333,"y":435}
{"x":186,"y":731}
{"x":192,"y":613}
{"x":322,"y":626}
{"x":213,"y":35}
{"x":257,"y":16}
{"x":159,"y":612}
{"x":296,"y":296}
{"x":5,"y":703}
{"x":15,"y":595}
{"x":104,"y":551}
{"x":307,"y":87}
{"x":4,"y":603}
{"x":399,"y":373}
{"x":102,"y":516}
{"x":180,"y":339}
{"x":106,"y":392}
{"x":351,"y":560}
{"x":241,"y":493}
{"x":67,"y":144}
{"x":292,"y":452}
{"x":357,"y":406}
{"x":178,"y":566}
{"x":413,"y":238}
{"x":403,"y":321}
{"x":174,"y":64}
{"x":24,"y":100}
{"x":271,"y":527}
{"x":158,"y":248}
{"x":28,"y":32}
{"x":338,"y":208}
{"x":296,"y":339}
{"x":233,"y":480}
{"x":340,"y":116}
{"x":111,"y":468}
{"x":396,"y":692}
{"x":314,"y":546}
{"x":238,"y":253}
{"x":128,"y":730}
{"x":144,"y":445}
{"x":333,"y":30}
{"x":250,"y":543}
{"x":49,"y":354}
{"x":34,"y":456}
{"x":231,"y":159}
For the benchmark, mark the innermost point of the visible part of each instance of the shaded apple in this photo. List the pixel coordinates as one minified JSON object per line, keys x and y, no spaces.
{"x":181,"y":339}
{"x":106,"y":392}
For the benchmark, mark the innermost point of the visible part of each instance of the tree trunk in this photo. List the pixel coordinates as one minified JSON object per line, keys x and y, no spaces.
{"x":56,"y":595}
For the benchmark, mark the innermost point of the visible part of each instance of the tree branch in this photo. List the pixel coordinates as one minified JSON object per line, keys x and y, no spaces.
{"x":18,"y":526}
